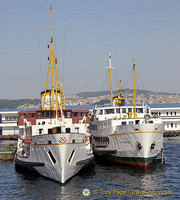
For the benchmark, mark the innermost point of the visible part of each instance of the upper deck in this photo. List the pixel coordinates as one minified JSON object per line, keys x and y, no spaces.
{"x":35,"y":116}
{"x":124,"y":112}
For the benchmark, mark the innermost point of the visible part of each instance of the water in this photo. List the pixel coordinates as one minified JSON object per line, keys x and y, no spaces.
{"x":100,"y":180}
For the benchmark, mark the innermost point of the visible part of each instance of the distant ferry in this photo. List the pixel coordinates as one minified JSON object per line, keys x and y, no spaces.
{"x":126,"y":134}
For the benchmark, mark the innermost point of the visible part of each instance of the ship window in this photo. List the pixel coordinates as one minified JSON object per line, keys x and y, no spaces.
{"x":52,"y":114}
{"x":52,"y":157}
{"x":139,"y":110}
{"x":50,"y":131}
{"x":124,"y":110}
{"x":75,"y":114}
{"x":43,"y":114}
{"x":68,"y":114}
{"x":109,"y":111}
{"x":166,"y":113}
{"x":136,"y":121}
{"x":86,"y":114}
{"x":38,"y":115}
{"x":159,"y":114}
{"x":129,"y":109}
{"x":80,"y":114}
{"x":101,"y":112}
{"x":68,"y":130}
{"x":175,"y":125}
{"x":58,"y":129}
{"x":147,"y":110}
{"x":174,"y":113}
{"x":14,"y":117}
{"x":65,"y":114}
{"x":47,"y":114}
{"x":131,"y":122}
{"x":27,"y":115}
{"x":118,"y":110}
{"x":171,"y":125}
{"x":22,"y":116}
{"x":171,"y":113}
{"x":123,"y":123}
{"x":32,"y":115}
{"x":167,"y":125}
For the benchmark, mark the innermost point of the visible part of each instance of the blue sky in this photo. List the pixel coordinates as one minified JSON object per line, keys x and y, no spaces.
{"x":148,"y":30}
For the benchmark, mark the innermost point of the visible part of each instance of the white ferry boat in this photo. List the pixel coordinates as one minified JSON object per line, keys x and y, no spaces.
{"x":126,"y":134}
{"x":54,"y":141}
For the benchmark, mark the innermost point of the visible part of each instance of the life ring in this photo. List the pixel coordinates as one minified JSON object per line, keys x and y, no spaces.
{"x":87,"y":140}
{"x":20,"y":145}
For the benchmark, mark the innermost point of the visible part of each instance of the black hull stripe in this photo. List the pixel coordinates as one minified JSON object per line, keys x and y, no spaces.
{"x":28,"y":164}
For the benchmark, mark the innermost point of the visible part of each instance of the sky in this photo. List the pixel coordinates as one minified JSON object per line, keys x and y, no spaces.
{"x":148,"y":30}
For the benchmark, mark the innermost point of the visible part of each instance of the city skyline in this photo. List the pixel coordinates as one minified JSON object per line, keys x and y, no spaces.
{"x":148,"y":31}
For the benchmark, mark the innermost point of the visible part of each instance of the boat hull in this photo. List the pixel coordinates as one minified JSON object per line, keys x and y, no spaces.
{"x":136,"y":146}
{"x":54,"y":158}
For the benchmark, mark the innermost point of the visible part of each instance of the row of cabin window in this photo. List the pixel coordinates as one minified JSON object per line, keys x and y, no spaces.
{"x":41,"y":131}
{"x":27,"y":115}
{"x":106,"y":125}
{"x":39,"y":114}
{"x":9,"y":118}
{"x":123,"y":110}
{"x":75,"y":114}
{"x":47,"y":114}
{"x":159,"y":113}
{"x":171,"y":125}
{"x":170,"y":113}
{"x":52,"y":114}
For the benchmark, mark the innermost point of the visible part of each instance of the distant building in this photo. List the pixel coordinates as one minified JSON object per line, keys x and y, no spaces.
{"x":170,"y":114}
{"x":8,"y":122}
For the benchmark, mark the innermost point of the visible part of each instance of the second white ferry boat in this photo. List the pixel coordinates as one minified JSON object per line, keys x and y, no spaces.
{"x":54,"y":141}
{"x":126,"y":134}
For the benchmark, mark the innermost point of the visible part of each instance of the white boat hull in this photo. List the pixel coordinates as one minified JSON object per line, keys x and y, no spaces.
{"x":136,"y":145}
{"x":56,"y":159}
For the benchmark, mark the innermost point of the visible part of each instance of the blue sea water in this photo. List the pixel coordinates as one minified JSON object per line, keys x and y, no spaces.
{"x":104,"y":181}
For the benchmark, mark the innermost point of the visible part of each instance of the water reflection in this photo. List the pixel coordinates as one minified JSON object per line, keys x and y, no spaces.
{"x":38,"y":187}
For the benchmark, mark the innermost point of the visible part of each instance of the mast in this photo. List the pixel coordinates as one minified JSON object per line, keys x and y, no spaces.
{"x":110,"y":74}
{"x":135,"y":114}
{"x":120,"y":93}
{"x":55,"y":95}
